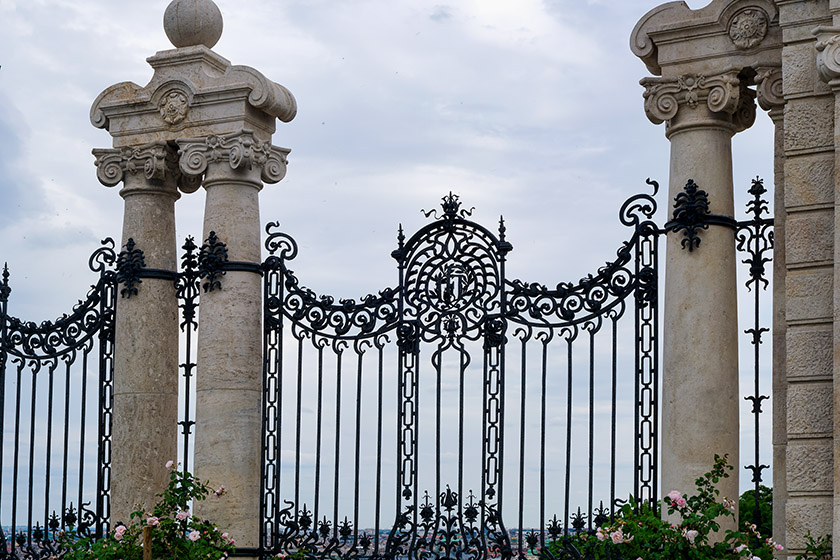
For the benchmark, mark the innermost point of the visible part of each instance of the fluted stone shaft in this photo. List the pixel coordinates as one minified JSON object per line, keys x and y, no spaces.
{"x":146,"y":338}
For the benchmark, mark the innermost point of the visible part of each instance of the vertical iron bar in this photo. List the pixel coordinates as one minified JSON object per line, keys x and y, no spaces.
{"x":522,"y":446}
{"x":4,"y":301}
{"x":378,"y":451}
{"x":36,"y":369}
{"x":318,"y":427}
{"x":542,"y":440}
{"x":298,"y":412}
{"x":461,"y":374}
{"x":16,"y":455}
{"x":591,"y":425}
{"x":82,"y":437}
{"x":568,"y":435}
{"x":52,"y":366}
{"x":613,"y":414}
{"x":66,"y":446}
{"x":339,"y":353}
{"x":358,"y":449}
{"x":438,"y":375}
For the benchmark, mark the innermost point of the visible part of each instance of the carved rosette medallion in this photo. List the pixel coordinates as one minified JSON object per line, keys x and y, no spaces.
{"x":748,"y":28}
{"x":174,"y":107}
{"x":156,"y":161}
{"x":242,"y":150}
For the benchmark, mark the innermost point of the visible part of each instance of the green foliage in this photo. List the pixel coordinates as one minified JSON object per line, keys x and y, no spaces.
{"x":817,"y":548}
{"x":639,"y":532}
{"x":175,"y":532}
{"x":746,"y":508}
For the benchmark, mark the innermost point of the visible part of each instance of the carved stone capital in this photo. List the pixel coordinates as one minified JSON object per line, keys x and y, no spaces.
{"x":241,"y":150}
{"x":722,"y":93}
{"x":828,"y":54}
{"x":770,"y":94}
{"x":157,"y":162}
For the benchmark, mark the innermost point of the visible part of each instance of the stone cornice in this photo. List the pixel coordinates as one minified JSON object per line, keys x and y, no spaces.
{"x":193,"y":92}
{"x":828,"y":55}
{"x":672,"y":39}
{"x":241,"y":150}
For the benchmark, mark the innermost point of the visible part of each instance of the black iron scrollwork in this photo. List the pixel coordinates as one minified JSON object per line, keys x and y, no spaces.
{"x":130,"y":263}
{"x":211,"y":260}
{"x":51,"y":339}
{"x":368,"y":317}
{"x":755,"y":238}
{"x":691,"y":209}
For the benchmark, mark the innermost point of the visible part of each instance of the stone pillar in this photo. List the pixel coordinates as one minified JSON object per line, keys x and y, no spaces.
{"x":810,"y":285}
{"x":828,"y":65}
{"x":708,"y":59}
{"x":700,"y":398}
{"x":146,"y":341}
{"x":232,"y":111}
{"x":229,"y":393}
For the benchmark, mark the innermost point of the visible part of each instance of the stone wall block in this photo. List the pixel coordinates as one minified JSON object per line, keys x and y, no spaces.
{"x":810,"y":409}
{"x":810,"y":294}
{"x":808,"y":125}
{"x":799,"y":69}
{"x":810,"y":237}
{"x":810,"y":466}
{"x":810,"y":352}
{"x":805,"y":514}
{"x":813,"y":176}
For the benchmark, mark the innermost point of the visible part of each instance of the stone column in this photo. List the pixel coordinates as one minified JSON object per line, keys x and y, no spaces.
{"x":228,"y":439}
{"x":146,"y":345}
{"x":232,"y":110}
{"x":700,"y":398}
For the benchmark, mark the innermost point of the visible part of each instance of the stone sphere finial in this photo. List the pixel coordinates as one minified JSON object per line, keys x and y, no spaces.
{"x":193,"y":22}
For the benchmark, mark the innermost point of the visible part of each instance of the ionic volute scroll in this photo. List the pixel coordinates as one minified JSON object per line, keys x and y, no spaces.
{"x":721,"y":93}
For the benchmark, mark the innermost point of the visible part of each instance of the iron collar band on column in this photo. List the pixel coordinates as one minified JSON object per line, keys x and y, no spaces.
{"x":242,"y":266}
{"x":691,"y":214}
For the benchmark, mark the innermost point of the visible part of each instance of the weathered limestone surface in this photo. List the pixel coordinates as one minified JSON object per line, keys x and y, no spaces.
{"x":707,"y":60}
{"x":229,"y":389}
{"x":804,"y":421}
{"x":146,"y":338}
{"x":222,"y":118}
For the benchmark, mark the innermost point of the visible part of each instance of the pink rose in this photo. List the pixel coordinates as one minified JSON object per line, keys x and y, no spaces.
{"x":777,"y":546}
{"x":152,"y":521}
{"x":681,"y":502}
{"x":691,"y":535}
{"x":194,"y":536}
{"x":601,"y":534}
{"x":169,"y":464}
{"x":674,"y":495}
{"x":182,"y":515}
{"x":119,"y":532}
{"x":617,"y":537}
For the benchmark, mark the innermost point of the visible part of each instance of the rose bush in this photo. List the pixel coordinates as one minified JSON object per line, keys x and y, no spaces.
{"x":175,"y":532}
{"x":638,"y":532}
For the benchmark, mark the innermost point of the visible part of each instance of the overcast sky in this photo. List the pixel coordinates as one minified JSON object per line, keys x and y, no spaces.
{"x":530,"y":109}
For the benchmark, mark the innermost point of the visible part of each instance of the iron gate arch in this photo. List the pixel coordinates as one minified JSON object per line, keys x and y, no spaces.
{"x":453,"y":292}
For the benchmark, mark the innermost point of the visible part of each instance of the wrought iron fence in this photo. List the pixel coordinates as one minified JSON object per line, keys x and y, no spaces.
{"x":459,"y":413}
{"x":56,"y":402}
{"x":468,"y":435}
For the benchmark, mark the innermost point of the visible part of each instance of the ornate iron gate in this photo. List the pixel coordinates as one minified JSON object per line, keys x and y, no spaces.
{"x":56,"y":385}
{"x":453,"y":304}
